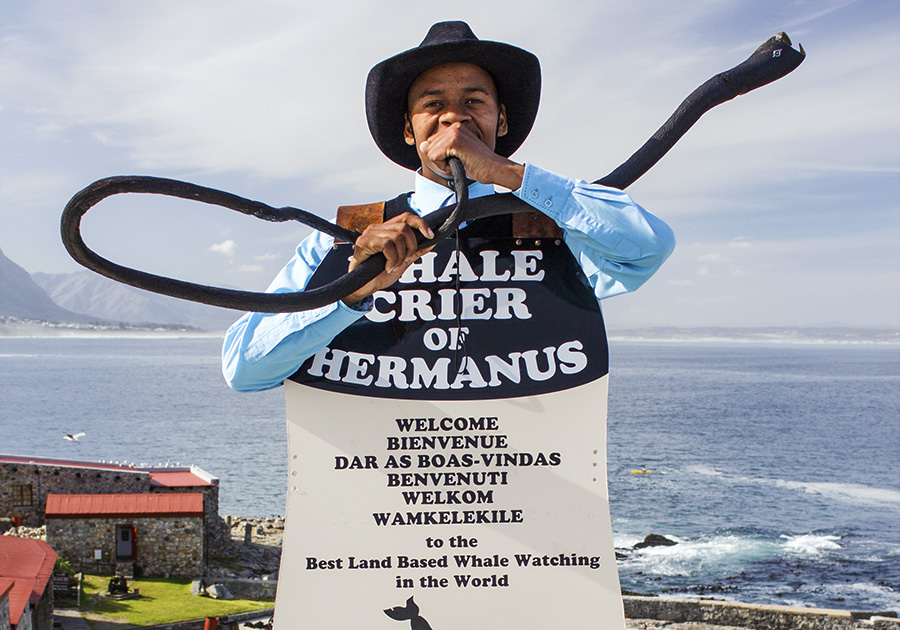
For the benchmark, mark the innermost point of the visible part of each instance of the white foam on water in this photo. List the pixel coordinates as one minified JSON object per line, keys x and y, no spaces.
{"x":810,"y":544}
{"x":844,"y":492}
{"x":883,"y":597}
{"x":726,"y":551}
{"x":706,"y":471}
{"x":855,"y":493}
{"x":623,"y":540}
{"x":690,"y":557}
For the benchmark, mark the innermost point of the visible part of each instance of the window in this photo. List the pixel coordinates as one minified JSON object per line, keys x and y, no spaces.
{"x":22,"y":495}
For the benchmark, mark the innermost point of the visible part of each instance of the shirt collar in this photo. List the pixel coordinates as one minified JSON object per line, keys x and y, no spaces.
{"x":429,"y":195}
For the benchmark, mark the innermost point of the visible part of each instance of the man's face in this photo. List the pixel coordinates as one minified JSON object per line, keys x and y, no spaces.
{"x":453,"y":94}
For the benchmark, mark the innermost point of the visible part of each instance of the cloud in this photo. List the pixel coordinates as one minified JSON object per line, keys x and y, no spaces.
{"x":268,"y":103}
{"x":225,"y":247}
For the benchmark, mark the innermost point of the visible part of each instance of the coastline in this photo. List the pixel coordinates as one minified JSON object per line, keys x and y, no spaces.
{"x":14,"y":328}
{"x":252,"y":537}
{"x":255,"y":550}
{"x":767,"y":335}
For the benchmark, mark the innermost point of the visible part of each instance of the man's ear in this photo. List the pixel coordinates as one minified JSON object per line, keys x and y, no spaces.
{"x":408,"y":131}
{"x":501,"y":122}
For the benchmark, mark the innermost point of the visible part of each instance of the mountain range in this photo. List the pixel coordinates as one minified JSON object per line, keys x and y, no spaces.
{"x":83,"y":297}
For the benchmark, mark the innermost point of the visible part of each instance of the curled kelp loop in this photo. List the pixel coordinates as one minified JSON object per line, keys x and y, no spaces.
{"x":771,"y":61}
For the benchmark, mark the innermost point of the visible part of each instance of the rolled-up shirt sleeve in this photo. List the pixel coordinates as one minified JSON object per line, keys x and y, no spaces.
{"x":261,"y":350}
{"x":617,"y":243}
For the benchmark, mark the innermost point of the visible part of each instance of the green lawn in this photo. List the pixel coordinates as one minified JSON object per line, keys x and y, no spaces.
{"x":161,"y":601}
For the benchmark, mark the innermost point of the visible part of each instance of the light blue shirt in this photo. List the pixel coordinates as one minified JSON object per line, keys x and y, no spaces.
{"x":618,"y":245}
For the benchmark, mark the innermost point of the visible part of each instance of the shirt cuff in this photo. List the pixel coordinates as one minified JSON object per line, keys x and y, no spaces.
{"x":545,"y":191}
{"x":363,"y":306}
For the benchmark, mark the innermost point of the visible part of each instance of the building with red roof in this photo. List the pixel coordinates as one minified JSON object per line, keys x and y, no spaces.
{"x":147,"y":534}
{"x":26,"y":568}
{"x":35,"y":491}
{"x":26,"y":481}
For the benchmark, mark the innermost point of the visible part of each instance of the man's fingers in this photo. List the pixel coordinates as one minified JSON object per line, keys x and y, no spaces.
{"x":395,"y":238}
{"x":417,"y":223}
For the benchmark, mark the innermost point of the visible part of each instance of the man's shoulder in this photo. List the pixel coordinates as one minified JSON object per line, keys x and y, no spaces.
{"x":359,"y":216}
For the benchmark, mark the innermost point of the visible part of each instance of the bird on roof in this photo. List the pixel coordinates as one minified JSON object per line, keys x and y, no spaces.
{"x":73,"y":437}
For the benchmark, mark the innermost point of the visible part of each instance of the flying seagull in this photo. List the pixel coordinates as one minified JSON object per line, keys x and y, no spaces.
{"x":73,"y":437}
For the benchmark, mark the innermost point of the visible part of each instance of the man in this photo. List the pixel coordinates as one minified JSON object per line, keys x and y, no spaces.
{"x":452,"y":96}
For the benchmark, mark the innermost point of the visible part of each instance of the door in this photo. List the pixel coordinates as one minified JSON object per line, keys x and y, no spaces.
{"x":124,"y":541}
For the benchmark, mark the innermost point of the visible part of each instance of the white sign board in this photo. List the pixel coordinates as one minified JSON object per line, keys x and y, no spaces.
{"x":469,"y":514}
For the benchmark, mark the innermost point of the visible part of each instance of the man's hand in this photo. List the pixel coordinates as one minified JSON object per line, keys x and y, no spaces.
{"x":481,"y":163}
{"x":396,"y":239}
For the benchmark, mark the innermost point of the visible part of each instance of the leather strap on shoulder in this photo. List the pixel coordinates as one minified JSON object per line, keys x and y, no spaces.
{"x":359,"y":217}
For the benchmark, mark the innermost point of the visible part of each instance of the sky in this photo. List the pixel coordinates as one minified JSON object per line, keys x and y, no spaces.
{"x":785,"y":202}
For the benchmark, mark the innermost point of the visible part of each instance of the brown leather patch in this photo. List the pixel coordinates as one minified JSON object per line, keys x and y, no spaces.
{"x":535,"y":225}
{"x":360,"y":217}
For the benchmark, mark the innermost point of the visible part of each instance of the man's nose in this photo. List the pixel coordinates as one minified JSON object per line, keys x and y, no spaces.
{"x":454,"y":114}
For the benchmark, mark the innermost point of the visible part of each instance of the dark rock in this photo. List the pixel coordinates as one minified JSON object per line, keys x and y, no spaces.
{"x":654,"y":540}
{"x":219,"y":591}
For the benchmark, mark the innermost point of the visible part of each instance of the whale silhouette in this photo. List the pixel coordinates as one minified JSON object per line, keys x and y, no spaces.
{"x":409,"y":612}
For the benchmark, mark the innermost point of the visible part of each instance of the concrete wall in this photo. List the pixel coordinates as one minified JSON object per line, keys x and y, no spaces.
{"x":748,"y":615}
{"x":166,"y":546}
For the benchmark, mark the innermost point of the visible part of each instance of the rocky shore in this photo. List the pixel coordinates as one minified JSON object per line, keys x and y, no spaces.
{"x":253,"y":553}
{"x":253,"y":550}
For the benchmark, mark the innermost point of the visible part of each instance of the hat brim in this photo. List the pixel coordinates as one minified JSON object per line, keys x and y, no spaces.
{"x":516,"y":74}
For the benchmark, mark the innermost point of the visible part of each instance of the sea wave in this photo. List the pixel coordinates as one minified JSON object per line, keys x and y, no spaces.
{"x":691,"y":556}
{"x":810,"y":544}
{"x":845,"y":492}
{"x":842,"y":492}
{"x":728,"y":549}
{"x":879,"y":596}
{"x":705,"y":471}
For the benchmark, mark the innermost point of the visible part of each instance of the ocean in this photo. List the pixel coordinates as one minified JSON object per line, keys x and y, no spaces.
{"x":775,"y":465}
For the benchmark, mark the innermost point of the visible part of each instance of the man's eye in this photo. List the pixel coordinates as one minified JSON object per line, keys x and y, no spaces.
{"x":431,"y":104}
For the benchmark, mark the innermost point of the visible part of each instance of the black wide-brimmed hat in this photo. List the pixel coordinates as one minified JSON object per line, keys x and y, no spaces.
{"x":516,"y":74}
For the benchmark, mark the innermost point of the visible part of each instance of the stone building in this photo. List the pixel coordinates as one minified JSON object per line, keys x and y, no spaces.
{"x":6,"y":585}
{"x":26,"y":483}
{"x":26,"y":567}
{"x":151,"y":535}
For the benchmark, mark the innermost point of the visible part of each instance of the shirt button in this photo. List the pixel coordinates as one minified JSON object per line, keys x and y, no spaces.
{"x":548,"y":203}
{"x":534,"y":194}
